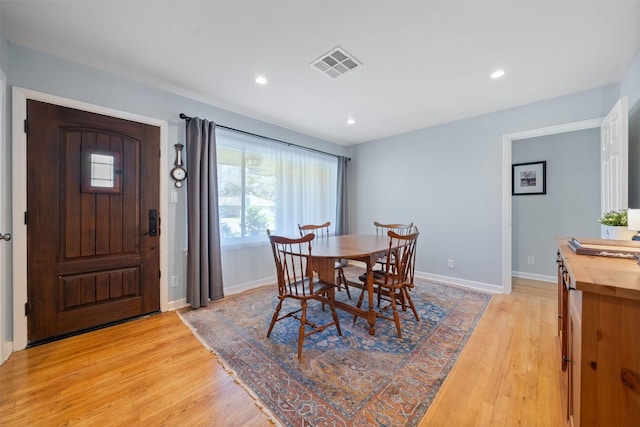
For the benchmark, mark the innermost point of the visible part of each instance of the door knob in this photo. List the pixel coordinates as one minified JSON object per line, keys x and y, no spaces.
{"x":5,"y":237}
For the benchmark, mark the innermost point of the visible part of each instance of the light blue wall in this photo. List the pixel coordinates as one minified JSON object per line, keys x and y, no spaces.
{"x":630,"y":84}
{"x":3,"y":45}
{"x":570,"y":207}
{"x":44,"y":73}
{"x":448,"y":180}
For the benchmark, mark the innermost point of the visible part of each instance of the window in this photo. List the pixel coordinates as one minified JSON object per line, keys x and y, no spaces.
{"x":266,"y":184}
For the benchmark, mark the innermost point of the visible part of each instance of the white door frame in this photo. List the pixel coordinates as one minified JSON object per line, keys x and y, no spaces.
{"x":507,"y":141}
{"x":614,"y":171}
{"x":5,"y":343}
{"x":19,"y":185}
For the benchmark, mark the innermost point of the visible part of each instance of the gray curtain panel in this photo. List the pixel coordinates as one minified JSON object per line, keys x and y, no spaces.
{"x":342,"y":222}
{"x":204,"y":266}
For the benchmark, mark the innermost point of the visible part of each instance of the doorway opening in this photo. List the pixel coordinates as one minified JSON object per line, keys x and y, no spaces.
{"x":507,"y":145}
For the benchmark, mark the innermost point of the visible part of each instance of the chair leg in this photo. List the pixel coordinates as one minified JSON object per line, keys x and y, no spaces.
{"x":407,"y":298}
{"x":359,"y":304}
{"x":343,"y":281}
{"x":401,"y":299}
{"x":332,"y":304}
{"x":396,"y":318}
{"x":274,"y":318}
{"x":303,"y":322}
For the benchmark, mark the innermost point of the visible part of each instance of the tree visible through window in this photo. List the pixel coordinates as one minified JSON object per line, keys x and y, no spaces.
{"x":264,"y":184}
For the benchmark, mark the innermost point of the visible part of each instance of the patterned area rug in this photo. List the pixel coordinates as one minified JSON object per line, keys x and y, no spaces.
{"x":353,"y":380}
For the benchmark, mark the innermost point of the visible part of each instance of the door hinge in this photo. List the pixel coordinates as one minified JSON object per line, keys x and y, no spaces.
{"x":159,"y":274}
{"x":26,"y":218}
{"x":27,"y":307}
{"x":26,"y":126}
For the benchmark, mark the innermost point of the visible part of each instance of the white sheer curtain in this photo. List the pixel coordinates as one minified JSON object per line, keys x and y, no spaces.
{"x":306,"y":189}
{"x":280,"y":185}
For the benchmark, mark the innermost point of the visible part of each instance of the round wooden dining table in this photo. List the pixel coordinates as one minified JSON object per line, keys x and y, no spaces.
{"x":357,"y":247}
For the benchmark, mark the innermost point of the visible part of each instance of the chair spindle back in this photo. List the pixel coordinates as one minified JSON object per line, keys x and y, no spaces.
{"x":293,"y":264}
{"x":320,"y":230}
{"x":401,"y":256}
{"x":402,"y":229}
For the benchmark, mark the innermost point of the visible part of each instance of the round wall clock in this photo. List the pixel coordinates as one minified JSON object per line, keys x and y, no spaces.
{"x":178,"y":173}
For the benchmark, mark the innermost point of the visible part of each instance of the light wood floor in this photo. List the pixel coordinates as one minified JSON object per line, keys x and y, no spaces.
{"x":153,"y":372}
{"x":508,"y":372}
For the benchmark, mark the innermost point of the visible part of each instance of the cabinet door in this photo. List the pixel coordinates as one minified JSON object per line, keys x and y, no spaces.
{"x":563,"y":312}
{"x":574,"y":347}
{"x":560,"y":265}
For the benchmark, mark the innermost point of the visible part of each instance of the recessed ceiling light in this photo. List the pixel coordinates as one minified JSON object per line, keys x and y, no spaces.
{"x":350,"y":121}
{"x":261,"y":80}
{"x":497,"y":74}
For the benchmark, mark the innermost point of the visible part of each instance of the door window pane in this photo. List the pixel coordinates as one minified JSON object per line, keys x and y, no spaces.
{"x":100,"y":171}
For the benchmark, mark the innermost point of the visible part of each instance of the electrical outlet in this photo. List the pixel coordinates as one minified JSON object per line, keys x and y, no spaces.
{"x":531,"y":259}
{"x":174,"y":281}
{"x":451,"y":264}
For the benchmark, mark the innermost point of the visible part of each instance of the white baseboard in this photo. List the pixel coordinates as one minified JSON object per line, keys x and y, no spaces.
{"x":5,"y":351}
{"x":177,"y":304}
{"x":486,"y":287}
{"x":447,"y":280}
{"x":428,"y":276}
{"x":532,"y":276}
{"x":231,"y":290}
{"x":236,"y":289}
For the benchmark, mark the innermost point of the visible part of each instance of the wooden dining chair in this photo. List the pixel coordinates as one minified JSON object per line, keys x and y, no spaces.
{"x":382,"y":230}
{"x":296,"y":281}
{"x":322,"y":232}
{"x":396,"y":280}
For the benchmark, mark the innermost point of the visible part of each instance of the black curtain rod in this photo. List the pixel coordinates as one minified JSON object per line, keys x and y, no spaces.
{"x":187,"y":118}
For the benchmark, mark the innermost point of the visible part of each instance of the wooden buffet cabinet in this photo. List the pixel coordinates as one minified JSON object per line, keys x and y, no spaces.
{"x":599,"y":332}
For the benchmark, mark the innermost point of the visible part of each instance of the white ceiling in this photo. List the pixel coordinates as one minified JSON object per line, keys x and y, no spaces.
{"x":424,"y":62}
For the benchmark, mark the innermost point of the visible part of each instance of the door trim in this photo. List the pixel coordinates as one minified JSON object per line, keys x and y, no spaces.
{"x":5,"y":278}
{"x":19,"y":185}
{"x":507,"y":140}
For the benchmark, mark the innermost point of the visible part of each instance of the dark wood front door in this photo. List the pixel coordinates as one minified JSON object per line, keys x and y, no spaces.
{"x":92,"y":200}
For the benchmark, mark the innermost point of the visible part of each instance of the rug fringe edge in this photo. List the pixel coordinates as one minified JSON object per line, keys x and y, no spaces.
{"x":232,"y":373}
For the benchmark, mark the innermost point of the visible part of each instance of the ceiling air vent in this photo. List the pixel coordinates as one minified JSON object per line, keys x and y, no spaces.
{"x":336,"y":62}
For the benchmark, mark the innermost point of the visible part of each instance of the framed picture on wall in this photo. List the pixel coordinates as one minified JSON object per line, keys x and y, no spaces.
{"x":529,"y":178}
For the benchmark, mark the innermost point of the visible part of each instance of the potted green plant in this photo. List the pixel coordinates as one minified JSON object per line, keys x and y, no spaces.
{"x":613,"y":225}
